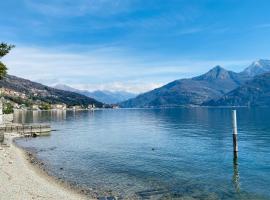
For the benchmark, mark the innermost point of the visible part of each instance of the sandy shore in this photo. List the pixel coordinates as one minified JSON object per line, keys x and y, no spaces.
{"x":20,"y":180}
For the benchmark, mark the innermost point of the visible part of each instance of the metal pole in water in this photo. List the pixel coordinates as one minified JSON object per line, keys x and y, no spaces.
{"x":235,"y":142}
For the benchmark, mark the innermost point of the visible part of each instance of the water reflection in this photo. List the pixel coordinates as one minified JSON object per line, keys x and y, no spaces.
{"x":59,"y":115}
{"x":236,"y":175}
{"x":191,"y":158}
{"x":37,"y":116}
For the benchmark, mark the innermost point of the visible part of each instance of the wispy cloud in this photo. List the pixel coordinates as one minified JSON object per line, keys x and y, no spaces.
{"x":79,"y":7}
{"x":208,"y":29}
{"x":135,"y":86}
{"x":188,"y":31}
{"x":106,"y":67}
{"x":267,"y":25}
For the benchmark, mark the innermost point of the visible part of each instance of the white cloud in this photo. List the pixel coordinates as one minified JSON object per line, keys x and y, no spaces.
{"x":128,"y":86}
{"x":101,"y":68}
{"x":104,"y":68}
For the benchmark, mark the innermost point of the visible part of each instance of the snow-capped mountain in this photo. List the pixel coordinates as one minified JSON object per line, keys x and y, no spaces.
{"x":104,"y":96}
{"x":258,"y":67}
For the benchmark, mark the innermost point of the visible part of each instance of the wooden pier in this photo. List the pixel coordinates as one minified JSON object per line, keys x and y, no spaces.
{"x":30,"y":130}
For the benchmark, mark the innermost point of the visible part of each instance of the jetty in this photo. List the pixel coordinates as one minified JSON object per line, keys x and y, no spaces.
{"x":7,"y":126}
{"x":27,"y":130}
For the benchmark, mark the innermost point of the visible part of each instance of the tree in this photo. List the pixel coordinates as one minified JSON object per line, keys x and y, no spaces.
{"x":8,"y":108}
{"x":45,"y":106}
{"x":3,"y":70}
{"x":4,"y":50}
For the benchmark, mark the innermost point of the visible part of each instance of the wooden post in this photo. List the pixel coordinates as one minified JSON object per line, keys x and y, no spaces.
{"x":236,"y":176}
{"x":234,"y":124}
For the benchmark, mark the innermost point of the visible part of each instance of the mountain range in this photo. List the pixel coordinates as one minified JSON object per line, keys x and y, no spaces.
{"x":255,"y":92}
{"x":23,"y":91}
{"x":104,"y":96}
{"x":215,"y":87}
{"x":257,"y":68}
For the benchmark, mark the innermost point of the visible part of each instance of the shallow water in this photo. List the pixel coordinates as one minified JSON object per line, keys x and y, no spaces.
{"x":183,"y":153}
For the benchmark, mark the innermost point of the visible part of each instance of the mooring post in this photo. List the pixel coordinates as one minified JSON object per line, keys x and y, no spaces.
{"x":236,"y":176}
{"x":234,"y":124}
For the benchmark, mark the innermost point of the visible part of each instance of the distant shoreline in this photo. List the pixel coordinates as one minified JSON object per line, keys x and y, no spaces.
{"x":153,"y":107}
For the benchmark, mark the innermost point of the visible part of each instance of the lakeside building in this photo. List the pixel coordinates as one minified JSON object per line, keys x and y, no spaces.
{"x":59,"y":106}
{"x":16,"y":106}
{"x":9,"y":92}
{"x":76,"y":107}
{"x":115,"y":106}
{"x":35,"y":107}
{"x":91,"y":106}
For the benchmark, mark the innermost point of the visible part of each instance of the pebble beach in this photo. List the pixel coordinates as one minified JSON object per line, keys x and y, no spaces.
{"x":21,"y":180}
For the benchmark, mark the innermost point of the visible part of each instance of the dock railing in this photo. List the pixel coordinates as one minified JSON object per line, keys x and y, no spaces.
{"x":27,"y":129}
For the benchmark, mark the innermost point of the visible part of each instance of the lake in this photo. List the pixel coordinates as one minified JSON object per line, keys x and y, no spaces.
{"x":176,"y":153}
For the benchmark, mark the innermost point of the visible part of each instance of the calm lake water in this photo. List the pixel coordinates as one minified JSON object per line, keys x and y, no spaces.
{"x":183,"y":153}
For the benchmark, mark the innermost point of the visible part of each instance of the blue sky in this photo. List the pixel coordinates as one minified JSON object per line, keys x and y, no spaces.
{"x":132,"y":45}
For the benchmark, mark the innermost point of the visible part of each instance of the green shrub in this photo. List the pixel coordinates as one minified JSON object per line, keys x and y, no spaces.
{"x":8,"y":108}
{"x":45,"y":106}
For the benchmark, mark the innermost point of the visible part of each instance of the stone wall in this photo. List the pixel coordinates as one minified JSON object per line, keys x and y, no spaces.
{"x":8,"y":118}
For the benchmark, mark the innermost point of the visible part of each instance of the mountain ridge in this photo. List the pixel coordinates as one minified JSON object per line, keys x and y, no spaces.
{"x":23,"y":90}
{"x":194,"y":91}
{"x":104,"y":96}
{"x":255,"y":92}
{"x":258,"y":67}
{"x":198,"y":90}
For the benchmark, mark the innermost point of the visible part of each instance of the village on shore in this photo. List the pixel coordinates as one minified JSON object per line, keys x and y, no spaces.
{"x":9,"y":105}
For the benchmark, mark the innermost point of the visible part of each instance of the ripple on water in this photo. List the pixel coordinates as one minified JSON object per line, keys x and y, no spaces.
{"x":157,"y":154}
